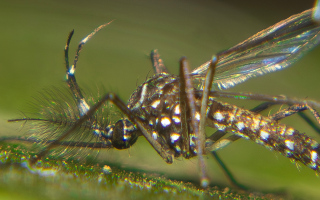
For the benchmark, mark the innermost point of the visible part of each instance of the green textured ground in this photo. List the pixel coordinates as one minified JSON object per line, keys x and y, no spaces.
{"x":52,"y":179}
{"x":33,"y":35}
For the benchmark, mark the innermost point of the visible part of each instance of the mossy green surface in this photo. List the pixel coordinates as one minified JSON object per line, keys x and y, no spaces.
{"x":58,"y":179}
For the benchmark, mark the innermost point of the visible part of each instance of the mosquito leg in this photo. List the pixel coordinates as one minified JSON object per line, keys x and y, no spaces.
{"x":288,"y":112}
{"x":228,"y":174}
{"x":216,"y":145}
{"x":263,"y":106}
{"x":309,"y":121}
{"x":297,"y":108}
{"x":278,"y":116}
{"x":163,"y":150}
{"x":205,"y":97}
{"x":294,"y":109}
{"x":183,"y":115}
{"x":212,"y":145}
{"x":188,"y":101}
{"x":71,"y":79}
{"x":157,"y":62}
{"x":219,"y":134}
{"x":315,"y":113}
{"x":91,"y":145}
{"x":261,"y":97}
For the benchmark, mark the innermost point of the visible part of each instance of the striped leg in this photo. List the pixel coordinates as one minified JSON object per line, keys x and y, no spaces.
{"x":187,"y":102}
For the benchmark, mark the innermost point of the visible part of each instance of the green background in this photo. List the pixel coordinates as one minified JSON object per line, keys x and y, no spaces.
{"x":33,"y":35}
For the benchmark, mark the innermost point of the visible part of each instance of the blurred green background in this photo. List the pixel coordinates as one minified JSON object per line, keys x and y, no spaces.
{"x":33,"y":35}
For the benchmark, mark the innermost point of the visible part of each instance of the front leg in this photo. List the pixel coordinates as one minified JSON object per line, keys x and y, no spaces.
{"x":187,"y":103}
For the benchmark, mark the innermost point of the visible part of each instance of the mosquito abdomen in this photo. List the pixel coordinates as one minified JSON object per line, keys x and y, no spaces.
{"x":265,"y":131}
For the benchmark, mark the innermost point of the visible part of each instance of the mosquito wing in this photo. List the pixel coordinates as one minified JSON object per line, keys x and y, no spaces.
{"x":269,"y":50}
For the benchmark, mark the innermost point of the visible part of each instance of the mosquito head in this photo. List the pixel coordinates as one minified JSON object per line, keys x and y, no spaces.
{"x":123,"y":134}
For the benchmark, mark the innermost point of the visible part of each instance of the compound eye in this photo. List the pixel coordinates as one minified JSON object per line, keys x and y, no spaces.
{"x":124,"y":134}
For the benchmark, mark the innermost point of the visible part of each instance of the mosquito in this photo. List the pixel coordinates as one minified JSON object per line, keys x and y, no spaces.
{"x":171,"y":112}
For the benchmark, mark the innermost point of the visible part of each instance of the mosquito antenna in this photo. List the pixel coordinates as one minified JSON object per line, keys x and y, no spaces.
{"x":84,"y":40}
{"x":66,"y":49}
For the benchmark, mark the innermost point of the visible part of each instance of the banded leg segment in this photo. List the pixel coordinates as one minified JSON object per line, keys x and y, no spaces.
{"x":204,"y":105}
{"x":262,"y":97}
{"x":295,"y":109}
{"x":71,"y":79}
{"x":187,"y":102}
{"x":227,"y":173}
{"x":91,"y":145}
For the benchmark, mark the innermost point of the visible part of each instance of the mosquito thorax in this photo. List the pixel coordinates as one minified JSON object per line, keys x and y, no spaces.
{"x":156,"y":103}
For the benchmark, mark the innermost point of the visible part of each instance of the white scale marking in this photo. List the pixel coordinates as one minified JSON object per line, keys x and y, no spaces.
{"x":83,"y":107}
{"x":97,"y":132}
{"x":142,"y":96}
{"x":290,"y":131}
{"x":84,"y":40}
{"x":177,"y":148}
{"x":282,"y":130}
{"x":263,"y":123}
{"x":264,"y":135}
{"x":126,"y":137}
{"x":240,"y":126}
{"x":165,"y":121}
{"x":174,"y":137}
{"x":143,"y":93}
{"x":154,"y":135}
{"x":289,"y":144}
{"x":256,"y":124}
{"x":220,"y":127}
{"x":150,"y":122}
{"x":197,"y":116}
{"x":176,"y":119}
{"x":218,"y":116}
{"x":177,"y":109}
{"x":125,"y":134}
{"x":71,"y":70}
{"x":314,"y":156}
{"x":231,"y":118}
{"x":155,"y":104}
{"x":192,"y":138}
{"x":110,"y":132}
